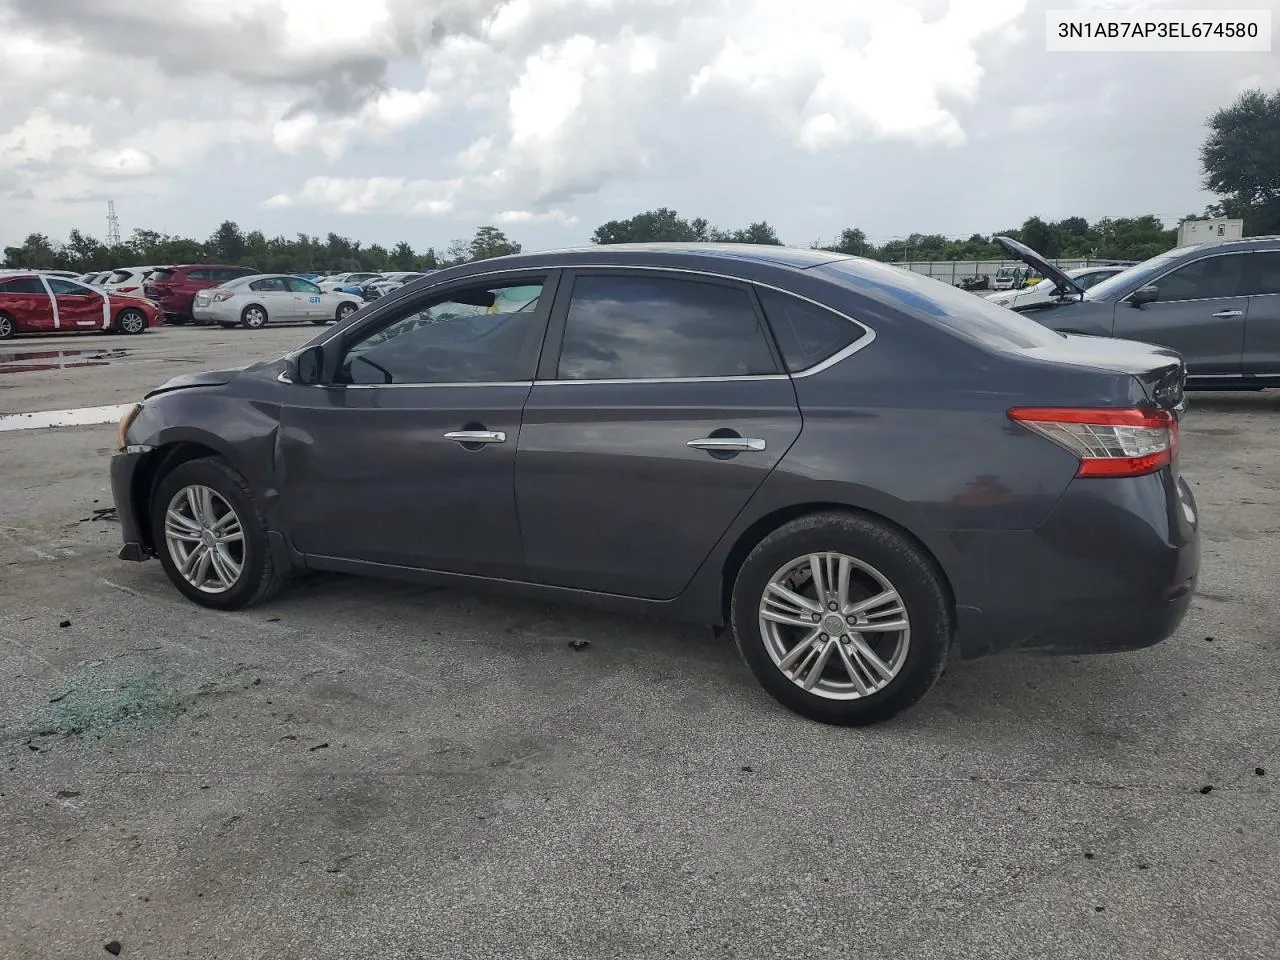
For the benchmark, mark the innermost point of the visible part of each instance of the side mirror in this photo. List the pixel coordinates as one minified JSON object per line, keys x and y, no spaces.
{"x":309,"y":365}
{"x":1143,"y":295}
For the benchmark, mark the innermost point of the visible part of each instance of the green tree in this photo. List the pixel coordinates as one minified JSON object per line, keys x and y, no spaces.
{"x":1241,"y":160}
{"x":760,"y":232}
{"x":402,"y":257}
{"x":36,"y":253}
{"x":227,"y":243}
{"x":491,"y":242}
{"x":652,"y":226}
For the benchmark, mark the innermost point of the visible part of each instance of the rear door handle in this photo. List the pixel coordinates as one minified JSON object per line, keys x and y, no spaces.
{"x":477,"y":436}
{"x":728,"y":444}
{"x":1225,"y":314}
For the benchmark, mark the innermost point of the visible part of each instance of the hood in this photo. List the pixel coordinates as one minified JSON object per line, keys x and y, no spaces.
{"x":207,"y":378}
{"x":1032,"y":259}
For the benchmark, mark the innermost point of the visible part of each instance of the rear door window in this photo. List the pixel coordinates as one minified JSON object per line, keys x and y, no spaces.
{"x":635,"y":327}
{"x":1261,"y":273}
{"x":807,"y":334}
{"x":298,"y":285}
{"x":269,"y":285}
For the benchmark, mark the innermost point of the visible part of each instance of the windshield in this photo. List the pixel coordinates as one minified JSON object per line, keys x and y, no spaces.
{"x":1135,"y":275}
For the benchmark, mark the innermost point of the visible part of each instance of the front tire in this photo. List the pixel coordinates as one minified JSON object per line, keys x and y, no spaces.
{"x":131,"y":322}
{"x":253,"y":317}
{"x":8,"y":326}
{"x":842,"y":618}
{"x":211,"y":536}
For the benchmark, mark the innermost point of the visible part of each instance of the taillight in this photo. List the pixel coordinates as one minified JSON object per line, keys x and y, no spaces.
{"x":1109,"y":441}
{"x":125,"y":289}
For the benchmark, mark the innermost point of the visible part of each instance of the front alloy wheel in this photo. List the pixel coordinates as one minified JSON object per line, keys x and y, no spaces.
{"x":205,"y":538}
{"x":834,"y":625}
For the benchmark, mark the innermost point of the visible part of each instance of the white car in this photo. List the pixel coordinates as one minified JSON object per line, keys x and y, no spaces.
{"x":339,"y":280}
{"x":257,"y":300}
{"x":128,"y":280}
{"x":1046,"y":291}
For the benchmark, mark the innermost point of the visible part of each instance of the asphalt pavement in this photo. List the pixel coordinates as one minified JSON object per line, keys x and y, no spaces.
{"x":376,"y":770}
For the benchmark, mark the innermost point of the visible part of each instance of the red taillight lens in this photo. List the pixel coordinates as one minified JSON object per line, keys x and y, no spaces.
{"x":1109,"y":441}
{"x":126,"y":289}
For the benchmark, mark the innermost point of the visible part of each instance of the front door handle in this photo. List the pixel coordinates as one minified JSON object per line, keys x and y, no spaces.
{"x":477,"y":436}
{"x":1225,"y":314}
{"x":728,"y":444}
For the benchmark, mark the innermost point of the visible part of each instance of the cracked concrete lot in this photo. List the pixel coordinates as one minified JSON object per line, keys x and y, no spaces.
{"x":373,"y":770}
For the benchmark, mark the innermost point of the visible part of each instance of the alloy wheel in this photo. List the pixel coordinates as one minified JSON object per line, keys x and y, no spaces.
{"x":253,"y":317}
{"x":6,"y":327}
{"x":345,"y":311}
{"x":205,"y":539}
{"x":131,"y":321}
{"x":834,"y":626}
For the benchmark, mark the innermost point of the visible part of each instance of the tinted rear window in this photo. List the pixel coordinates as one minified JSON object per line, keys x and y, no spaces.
{"x":120,"y":276}
{"x":941,"y":304}
{"x":160,"y":276}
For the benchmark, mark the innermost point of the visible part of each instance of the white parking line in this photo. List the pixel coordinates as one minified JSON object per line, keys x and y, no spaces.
{"x":79,"y":417}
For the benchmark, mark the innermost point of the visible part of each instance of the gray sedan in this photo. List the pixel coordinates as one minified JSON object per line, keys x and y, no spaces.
{"x":860,"y":472}
{"x":255,"y":301}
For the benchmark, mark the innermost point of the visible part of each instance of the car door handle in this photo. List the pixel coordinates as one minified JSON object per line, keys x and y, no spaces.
{"x":477,"y":436}
{"x":1225,"y":314}
{"x":728,"y":444}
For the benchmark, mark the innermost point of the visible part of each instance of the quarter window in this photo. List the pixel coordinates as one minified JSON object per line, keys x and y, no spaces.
{"x":640,"y":328}
{"x":1210,"y":278}
{"x":484,"y":334}
{"x":806,"y":333}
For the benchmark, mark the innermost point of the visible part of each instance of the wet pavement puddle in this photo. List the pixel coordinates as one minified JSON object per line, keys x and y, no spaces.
{"x":33,"y":361}
{"x":78,"y":417}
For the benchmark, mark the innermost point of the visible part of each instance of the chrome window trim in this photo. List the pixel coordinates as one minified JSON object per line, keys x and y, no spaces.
{"x":1209,"y":256}
{"x":868,"y":337}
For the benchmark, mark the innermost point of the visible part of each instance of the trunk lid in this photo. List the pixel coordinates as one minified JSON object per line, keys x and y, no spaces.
{"x":1161,"y":371}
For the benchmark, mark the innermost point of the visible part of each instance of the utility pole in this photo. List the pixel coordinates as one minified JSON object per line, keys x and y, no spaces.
{"x":113,"y":225}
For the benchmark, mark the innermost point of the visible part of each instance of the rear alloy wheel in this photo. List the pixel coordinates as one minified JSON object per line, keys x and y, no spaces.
{"x":345,"y":310}
{"x":131,"y":321}
{"x":7,"y":326}
{"x":211,"y":536}
{"x":842,"y":618}
{"x":253,"y":317}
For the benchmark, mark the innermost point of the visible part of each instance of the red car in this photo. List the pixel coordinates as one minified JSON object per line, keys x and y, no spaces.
{"x":174,"y":288}
{"x":36,"y":303}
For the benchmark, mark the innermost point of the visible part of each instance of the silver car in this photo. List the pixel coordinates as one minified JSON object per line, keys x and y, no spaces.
{"x":256,"y":300}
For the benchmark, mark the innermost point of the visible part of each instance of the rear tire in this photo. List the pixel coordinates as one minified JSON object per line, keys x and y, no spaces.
{"x":843,"y":666}
{"x":253,"y":317}
{"x":345,"y":310}
{"x":131,"y":322}
{"x":182,"y":536}
{"x":8,"y":326}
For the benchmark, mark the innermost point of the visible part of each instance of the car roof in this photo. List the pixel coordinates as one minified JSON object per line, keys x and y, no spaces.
{"x":1244,"y":243}
{"x":731,"y":259}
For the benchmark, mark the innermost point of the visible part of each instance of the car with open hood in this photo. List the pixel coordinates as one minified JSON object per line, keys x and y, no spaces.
{"x":1217,"y":304}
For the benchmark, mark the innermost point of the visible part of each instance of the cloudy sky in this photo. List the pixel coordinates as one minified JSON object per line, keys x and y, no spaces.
{"x":421,"y":119}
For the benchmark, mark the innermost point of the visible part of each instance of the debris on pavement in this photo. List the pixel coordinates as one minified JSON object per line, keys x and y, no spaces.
{"x":64,"y":624}
{"x":319,"y":746}
{"x":112,"y":947}
{"x":579,"y":644}
{"x":1207,"y":788}
{"x":1258,"y":771}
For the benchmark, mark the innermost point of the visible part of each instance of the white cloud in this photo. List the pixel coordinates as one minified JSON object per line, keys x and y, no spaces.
{"x":40,"y":137}
{"x":124,"y":164}
{"x":388,"y":113}
{"x":507,"y":217}
{"x":393,"y":195}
